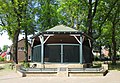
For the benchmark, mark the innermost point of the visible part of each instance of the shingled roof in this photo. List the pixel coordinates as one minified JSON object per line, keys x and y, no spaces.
{"x":61,"y":28}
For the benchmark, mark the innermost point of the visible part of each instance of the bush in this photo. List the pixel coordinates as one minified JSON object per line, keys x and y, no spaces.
{"x":96,"y":58}
{"x":26,"y":64}
{"x":114,"y":67}
{"x":2,"y":59}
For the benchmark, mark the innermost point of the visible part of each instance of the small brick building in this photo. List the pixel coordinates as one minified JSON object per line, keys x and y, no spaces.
{"x":21,"y":50}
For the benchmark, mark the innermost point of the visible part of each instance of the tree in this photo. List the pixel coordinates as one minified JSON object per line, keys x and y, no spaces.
{"x":73,"y":13}
{"x":12,"y":18}
{"x":46,"y":14}
{"x":5,"y":47}
{"x":28,"y":24}
{"x":94,"y":17}
{"x":106,"y":34}
{"x":102,"y":24}
{"x":115,"y":23}
{"x":0,"y":50}
{"x":92,"y":8}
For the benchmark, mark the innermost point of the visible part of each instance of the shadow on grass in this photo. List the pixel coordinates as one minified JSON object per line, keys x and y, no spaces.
{"x":1,"y":68}
{"x":114,"y":66}
{"x":96,"y":65}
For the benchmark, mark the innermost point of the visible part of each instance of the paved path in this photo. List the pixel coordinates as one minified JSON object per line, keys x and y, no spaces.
{"x":111,"y":77}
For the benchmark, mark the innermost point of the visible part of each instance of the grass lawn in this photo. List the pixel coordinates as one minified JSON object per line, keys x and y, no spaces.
{"x":5,"y":69}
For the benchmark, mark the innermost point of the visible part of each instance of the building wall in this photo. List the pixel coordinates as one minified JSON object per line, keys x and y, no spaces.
{"x":21,"y":52}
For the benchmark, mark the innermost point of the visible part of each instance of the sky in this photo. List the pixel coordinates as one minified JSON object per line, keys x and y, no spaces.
{"x":4,"y":39}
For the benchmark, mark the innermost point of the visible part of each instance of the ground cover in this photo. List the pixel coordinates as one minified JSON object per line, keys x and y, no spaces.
{"x":114,"y":67}
{"x":5,"y":69}
{"x":110,"y":65}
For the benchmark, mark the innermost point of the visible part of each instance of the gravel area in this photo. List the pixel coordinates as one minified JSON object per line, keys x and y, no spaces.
{"x":13,"y":77}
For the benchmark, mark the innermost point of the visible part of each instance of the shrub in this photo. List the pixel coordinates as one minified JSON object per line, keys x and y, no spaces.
{"x":2,"y":59}
{"x":114,"y":67}
{"x":26,"y":64}
{"x":96,"y":58}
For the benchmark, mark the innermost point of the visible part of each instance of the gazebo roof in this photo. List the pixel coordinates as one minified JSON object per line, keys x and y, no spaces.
{"x":61,"y":28}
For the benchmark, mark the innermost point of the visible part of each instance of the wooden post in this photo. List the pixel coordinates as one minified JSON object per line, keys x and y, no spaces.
{"x":42,"y":49}
{"x":61,"y":53}
{"x":81,"y":54}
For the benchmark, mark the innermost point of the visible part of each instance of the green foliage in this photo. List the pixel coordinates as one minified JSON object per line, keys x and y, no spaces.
{"x":96,"y":65}
{"x":35,"y":15}
{"x":70,"y":11}
{"x":2,"y":59}
{"x":47,"y":15}
{"x":5,"y":47}
{"x":96,"y":58}
{"x":114,"y":67}
{"x":26,"y":64}
{"x":14,"y":17}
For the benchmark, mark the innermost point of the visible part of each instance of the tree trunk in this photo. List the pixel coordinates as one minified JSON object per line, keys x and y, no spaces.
{"x":77,"y":25}
{"x":113,"y":45}
{"x":48,"y":24}
{"x":26,"y":32}
{"x":72,"y":22}
{"x":89,"y":24}
{"x":100,"y":51}
{"x":26,"y":45}
{"x":110,"y":53}
{"x":114,"y":23}
{"x":15,"y":45}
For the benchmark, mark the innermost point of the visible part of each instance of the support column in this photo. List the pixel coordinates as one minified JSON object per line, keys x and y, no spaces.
{"x":42,"y":49}
{"x":61,"y":53}
{"x":81,"y":54}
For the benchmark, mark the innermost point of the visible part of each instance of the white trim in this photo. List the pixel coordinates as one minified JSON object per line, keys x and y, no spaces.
{"x":47,"y":38}
{"x":74,"y":35}
{"x":48,"y":34}
{"x":77,"y":39}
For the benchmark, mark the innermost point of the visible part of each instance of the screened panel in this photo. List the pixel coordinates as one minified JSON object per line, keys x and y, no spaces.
{"x":71,"y":54}
{"x":52,"y":53}
{"x":37,"y":54}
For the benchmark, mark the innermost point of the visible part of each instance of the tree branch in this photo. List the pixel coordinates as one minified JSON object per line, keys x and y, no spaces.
{"x":115,"y":18}
{"x":95,"y":7}
{"x":2,"y":23}
{"x":107,"y":15}
{"x":85,"y":1}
